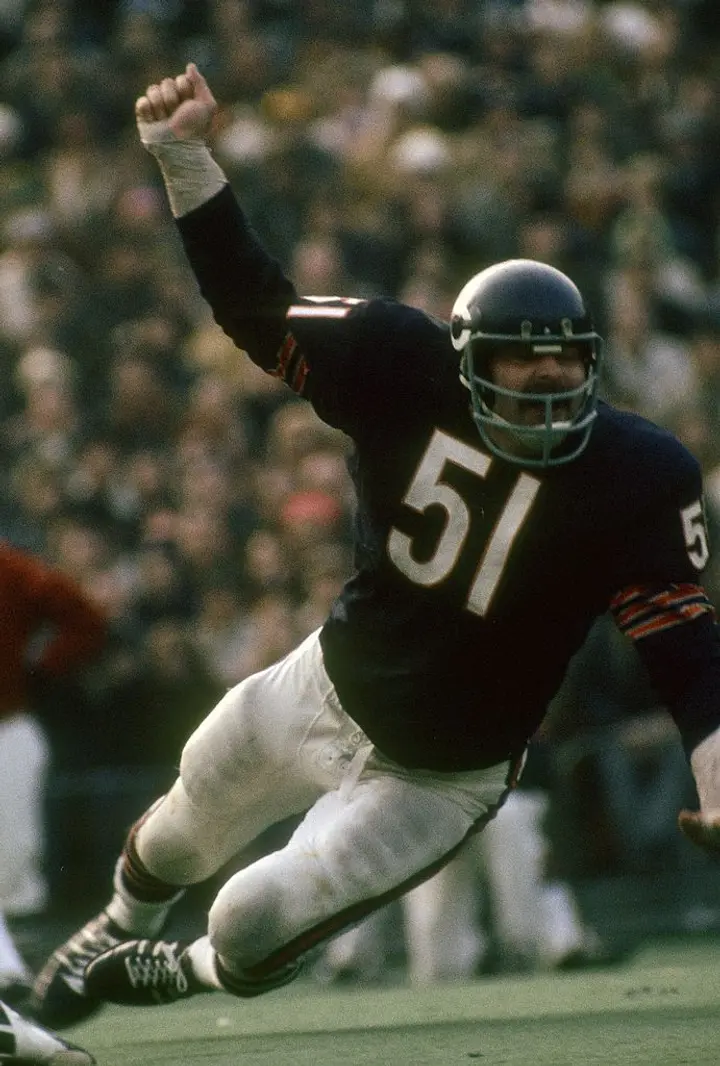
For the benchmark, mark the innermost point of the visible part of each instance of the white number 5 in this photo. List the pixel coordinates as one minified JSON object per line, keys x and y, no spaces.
{"x":427,"y":488}
{"x":696,"y":540}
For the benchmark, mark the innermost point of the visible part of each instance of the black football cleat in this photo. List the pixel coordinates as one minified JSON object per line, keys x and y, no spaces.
{"x":59,"y":997}
{"x":26,"y":1043}
{"x":143,"y":973}
{"x":148,"y":973}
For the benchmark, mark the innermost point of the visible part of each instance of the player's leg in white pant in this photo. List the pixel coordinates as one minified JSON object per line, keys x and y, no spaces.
{"x":443,"y":935}
{"x":272,"y":746}
{"x":564,"y":934}
{"x":24,"y":758}
{"x":268,"y":750}
{"x":513,"y":851}
{"x":15,"y":977}
{"x":277,"y":744}
{"x":357,"y":847}
{"x":360,"y":845}
{"x":360,"y":953}
{"x":536,"y":921}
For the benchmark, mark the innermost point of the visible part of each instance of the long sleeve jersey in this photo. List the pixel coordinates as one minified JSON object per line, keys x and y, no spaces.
{"x":475,"y":581}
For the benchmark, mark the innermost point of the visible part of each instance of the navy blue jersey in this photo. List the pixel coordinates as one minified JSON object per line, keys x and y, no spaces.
{"x":475,"y":581}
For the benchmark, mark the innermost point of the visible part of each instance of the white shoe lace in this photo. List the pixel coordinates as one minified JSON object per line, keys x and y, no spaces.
{"x":159,"y":969}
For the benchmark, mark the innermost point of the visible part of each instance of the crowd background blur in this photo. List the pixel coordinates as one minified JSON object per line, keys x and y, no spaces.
{"x":381,"y":147}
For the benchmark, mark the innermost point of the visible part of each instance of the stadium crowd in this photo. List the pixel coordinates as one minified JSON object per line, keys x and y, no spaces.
{"x":384,"y":146}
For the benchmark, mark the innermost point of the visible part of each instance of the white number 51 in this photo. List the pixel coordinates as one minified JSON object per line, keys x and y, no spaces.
{"x":427,"y":488}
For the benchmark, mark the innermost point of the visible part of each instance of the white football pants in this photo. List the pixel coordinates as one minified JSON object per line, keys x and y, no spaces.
{"x":24,"y":763}
{"x":533,"y":918}
{"x":278,"y":744}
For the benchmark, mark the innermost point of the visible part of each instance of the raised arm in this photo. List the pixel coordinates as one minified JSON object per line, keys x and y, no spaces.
{"x":174,"y":120}
{"x":246,"y":288}
{"x":333,"y":351}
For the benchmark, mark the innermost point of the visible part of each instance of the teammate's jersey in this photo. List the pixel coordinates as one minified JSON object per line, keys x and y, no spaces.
{"x":36,"y":598}
{"x":475,"y":581}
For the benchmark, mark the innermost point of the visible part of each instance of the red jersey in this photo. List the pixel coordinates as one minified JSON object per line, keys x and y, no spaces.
{"x":39,"y":602}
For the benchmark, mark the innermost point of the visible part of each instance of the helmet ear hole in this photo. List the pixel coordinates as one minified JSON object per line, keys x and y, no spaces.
{"x":460,"y":327}
{"x":457,"y":325}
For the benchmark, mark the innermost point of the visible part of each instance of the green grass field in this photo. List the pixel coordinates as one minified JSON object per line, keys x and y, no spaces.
{"x":660,"y":1009}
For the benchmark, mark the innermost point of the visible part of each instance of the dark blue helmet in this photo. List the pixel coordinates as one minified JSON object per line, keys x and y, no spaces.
{"x":522,"y":301}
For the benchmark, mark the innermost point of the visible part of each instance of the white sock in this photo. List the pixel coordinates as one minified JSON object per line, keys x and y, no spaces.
{"x":139,"y":917}
{"x":202,"y":957}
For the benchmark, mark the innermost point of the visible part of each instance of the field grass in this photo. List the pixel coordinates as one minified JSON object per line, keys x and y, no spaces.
{"x":660,"y":1009}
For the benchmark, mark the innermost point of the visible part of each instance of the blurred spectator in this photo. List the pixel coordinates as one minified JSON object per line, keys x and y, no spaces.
{"x":641,"y":235}
{"x":222,"y":632}
{"x":267,"y":566}
{"x":173,"y":676}
{"x":647,"y":368}
{"x":48,"y":629}
{"x":325,"y":568}
{"x":619,"y":765}
{"x":141,"y":416}
{"x":272,"y":632}
{"x":29,"y":249}
{"x":161,"y":587}
{"x":308,"y":518}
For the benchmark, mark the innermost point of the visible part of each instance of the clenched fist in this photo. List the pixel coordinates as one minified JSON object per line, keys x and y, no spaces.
{"x":179,"y":108}
{"x":174,"y":119}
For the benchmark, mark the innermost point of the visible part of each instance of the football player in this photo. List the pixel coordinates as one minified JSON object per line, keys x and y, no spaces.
{"x":26,"y":1043}
{"x":49,"y":628}
{"x":501,"y":508}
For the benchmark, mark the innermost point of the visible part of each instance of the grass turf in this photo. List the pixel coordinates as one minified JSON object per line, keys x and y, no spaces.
{"x":661,"y":1009}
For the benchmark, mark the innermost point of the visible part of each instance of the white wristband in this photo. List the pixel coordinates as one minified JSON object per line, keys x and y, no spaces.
{"x":189,"y":171}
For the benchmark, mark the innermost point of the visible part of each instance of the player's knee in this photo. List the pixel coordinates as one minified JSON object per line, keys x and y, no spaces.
{"x":276,"y":902}
{"x":177,"y":862}
{"x":246,"y":920}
